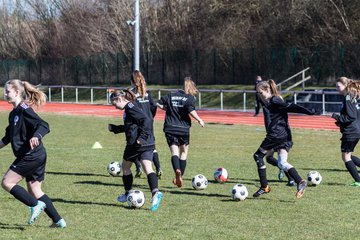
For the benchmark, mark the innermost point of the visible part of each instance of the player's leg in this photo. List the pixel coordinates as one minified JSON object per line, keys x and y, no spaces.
{"x":175,"y":161}
{"x":9,"y":183}
{"x":139,"y":172}
{"x":290,"y":169}
{"x":259,"y":159}
{"x":347,"y":147}
{"x":273,"y":161}
{"x":183,"y":157}
{"x":152,"y":181}
{"x":157,"y":164}
{"x":34,"y":187}
{"x":127,"y":179}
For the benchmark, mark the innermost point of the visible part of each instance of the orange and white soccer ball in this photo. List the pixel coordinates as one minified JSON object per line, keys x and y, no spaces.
{"x":221,"y":175}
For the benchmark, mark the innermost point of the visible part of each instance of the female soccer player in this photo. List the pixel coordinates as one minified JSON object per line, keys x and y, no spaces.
{"x":349,"y":123}
{"x":145,"y":102}
{"x":178,"y":106}
{"x":277,"y":136}
{"x":25,"y":133}
{"x":140,"y":144}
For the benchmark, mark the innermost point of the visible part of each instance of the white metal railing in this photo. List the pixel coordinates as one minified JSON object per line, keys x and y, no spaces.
{"x":323,"y":105}
{"x":302,"y":81}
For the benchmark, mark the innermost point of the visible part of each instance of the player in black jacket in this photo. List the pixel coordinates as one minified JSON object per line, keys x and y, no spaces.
{"x":277,"y":136}
{"x":145,"y":102}
{"x":178,"y":106}
{"x":349,"y":123}
{"x":25,"y":133}
{"x":140,"y":144}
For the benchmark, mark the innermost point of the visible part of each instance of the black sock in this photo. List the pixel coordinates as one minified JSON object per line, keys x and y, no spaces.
{"x":294,"y":174}
{"x":128,"y":181}
{"x":356,"y":160}
{"x":175,"y":162}
{"x":262,"y":176}
{"x":350,"y":165}
{"x":137,"y":165}
{"x":156,"y":161}
{"x":153,"y":182}
{"x":288,"y":176}
{"x":23,"y":196}
{"x":271,"y":160}
{"x":182,"y":166}
{"x":50,"y":209}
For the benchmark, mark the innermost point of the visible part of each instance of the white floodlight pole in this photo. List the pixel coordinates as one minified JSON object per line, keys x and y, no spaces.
{"x":137,"y":36}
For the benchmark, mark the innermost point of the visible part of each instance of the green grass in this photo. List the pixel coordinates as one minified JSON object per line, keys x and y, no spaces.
{"x":85,"y":194}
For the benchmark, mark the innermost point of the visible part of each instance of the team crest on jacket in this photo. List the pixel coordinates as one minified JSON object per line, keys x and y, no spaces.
{"x":16,"y":119}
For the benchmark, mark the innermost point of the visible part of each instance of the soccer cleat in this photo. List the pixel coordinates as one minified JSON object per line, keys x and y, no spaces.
{"x":139,"y":173}
{"x":122,"y":198}
{"x":178,"y":180}
{"x":155,"y":201}
{"x":281,"y":174}
{"x":60,"y":224}
{"x":301,"y":188}
{"x":262,"y":191}
{"x":159,"y":174}
{"x":35,"y":211}
{"x":355,"y":184}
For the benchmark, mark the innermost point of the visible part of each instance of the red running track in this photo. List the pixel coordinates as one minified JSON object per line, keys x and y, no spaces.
{"x":209,"y":116}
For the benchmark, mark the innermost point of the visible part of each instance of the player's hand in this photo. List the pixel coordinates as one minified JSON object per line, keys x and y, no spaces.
{"x":337,"y":123}
{"x":335,"y":116}
{"x":34,"y":142}
{"x":201,"y":122}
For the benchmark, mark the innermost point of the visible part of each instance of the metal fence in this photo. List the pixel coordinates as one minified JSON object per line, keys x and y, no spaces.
{"x":324,"y":101}
{"x":208,"y":66}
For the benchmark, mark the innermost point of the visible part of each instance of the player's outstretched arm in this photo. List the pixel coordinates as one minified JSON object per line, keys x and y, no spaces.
{"x":197,"y":118}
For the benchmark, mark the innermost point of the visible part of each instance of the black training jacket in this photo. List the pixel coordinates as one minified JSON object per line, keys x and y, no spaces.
{"x":24,"y":124}
{"x":349,"y":118}
{"x":278,"y":127}
{"x":137,"y":126}
{"x":178,"y":105}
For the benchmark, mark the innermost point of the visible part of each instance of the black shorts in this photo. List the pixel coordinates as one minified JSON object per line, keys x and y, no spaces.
{"x":174,"y":139}
{"x":30,"y":167}
{"x":348,"y":145}
{"x":133,"y":154}
{"x":276,"y":144}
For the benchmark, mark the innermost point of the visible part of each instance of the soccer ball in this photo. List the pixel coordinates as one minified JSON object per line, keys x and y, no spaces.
{"x":114,"y":168}
{"x":239,"y":192}
{"x":199,"y":182}
{"x":314,"y":178}
{"x":135,"y":199}
{"x":221,"y":175}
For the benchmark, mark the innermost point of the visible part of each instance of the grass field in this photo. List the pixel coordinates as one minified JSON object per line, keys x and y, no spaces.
{"x":85,"y":194}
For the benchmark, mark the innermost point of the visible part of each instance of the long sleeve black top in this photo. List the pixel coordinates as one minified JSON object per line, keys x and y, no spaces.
{"x":137,"y":126}
{"x":24,"y":124}
{"x":178,"y":105}
{"x":278,"y":127}
{"x":349,"y":119}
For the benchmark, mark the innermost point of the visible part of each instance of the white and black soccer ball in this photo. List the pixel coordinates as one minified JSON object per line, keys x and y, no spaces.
{"x":135,"y":199}
{"x":239,"y":192}
{"x":314,"y":178}
{"x":199,"y":182}
{"x":114,"y":169}
{"x":221,"y":175}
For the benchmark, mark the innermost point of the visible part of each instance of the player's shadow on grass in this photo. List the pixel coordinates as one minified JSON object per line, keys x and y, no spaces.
{"x":12,"y":226}
{"x":325,"y":169}
{"x":190,"y":191}
{"x":87,"y":203}
{"x":79,"y":174}
{"x":135,"y":185}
